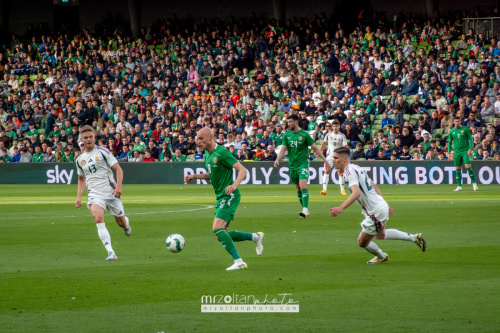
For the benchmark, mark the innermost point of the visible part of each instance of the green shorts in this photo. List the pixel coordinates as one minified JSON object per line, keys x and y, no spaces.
{"x":225,"y":208}
{"x":301,"y":172}
{"x":461,"y":158}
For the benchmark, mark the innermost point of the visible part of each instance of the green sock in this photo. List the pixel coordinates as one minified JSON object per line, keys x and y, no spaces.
{"x":305,"y":198}
{"x":227,"y":242}
{"x":238,"y":236}
{"x":472,"y":175}
{"x":458,"y":175}
{"x":299,"y":194}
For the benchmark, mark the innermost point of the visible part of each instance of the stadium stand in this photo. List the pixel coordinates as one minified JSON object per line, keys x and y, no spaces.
{"x":153,"y":93}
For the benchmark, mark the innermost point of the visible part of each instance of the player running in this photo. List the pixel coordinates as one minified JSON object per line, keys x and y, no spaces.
{"x":95,"y":169}
{"x":375,"y":209}
{"x":334,"y":139}
{"x":220,"y":163}
{"x":297,"y":142}
{"x":461,"y":139}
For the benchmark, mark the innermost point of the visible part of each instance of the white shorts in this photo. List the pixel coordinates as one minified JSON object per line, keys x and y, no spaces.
{"x":373,"y":223}
{"x":112,"y":204}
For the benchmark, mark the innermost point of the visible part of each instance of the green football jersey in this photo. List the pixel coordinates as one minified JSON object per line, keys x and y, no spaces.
{"x":461,"y":139}
{"x":219,"y":165}
{"x":278,"y":138}
{"x":297,"y":145}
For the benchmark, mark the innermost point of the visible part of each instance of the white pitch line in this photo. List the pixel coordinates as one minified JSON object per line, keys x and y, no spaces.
{"x":73,"y":216}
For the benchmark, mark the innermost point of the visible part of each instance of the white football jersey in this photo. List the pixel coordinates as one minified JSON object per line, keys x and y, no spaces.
{"x":334,"y":141}
{"x":369,"y":199}
{"x":96,"y":167}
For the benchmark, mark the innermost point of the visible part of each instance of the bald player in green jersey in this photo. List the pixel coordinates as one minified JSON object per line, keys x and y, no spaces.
{"x":220,"y":163}
{"x":297,"y":142}
{"x":461,"y":139}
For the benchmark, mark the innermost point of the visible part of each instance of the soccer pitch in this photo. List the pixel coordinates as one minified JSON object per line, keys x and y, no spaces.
{"x":53,"y":276}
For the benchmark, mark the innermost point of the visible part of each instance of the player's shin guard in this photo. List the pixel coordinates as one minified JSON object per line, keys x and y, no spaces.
{"x":374,"y":249}
{"x":393,"y":234}
{"x":341,"y":181}
{"x":326,"y":179}
{"x":299,"y":194}
{"x":227,"y":242}
{"x":239,"y":236}
{"x":305,"y":198}
{"x":471,"y":175}
{"x":458,"y":175}
{"x":104,"y":236}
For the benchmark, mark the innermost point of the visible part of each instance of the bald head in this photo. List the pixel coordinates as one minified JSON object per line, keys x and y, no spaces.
{"x":206,"y":132}
{"x":205,"y":139}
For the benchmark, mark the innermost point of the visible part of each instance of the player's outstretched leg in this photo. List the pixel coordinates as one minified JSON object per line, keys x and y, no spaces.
{"x":98,"y":215}
{"x":365,"y":241}
{"x":342,"y":183}
{"x":257,"y":238}
{"x":458,"y":176}
{"x":127,"y":228}
{"x":326,"y":179}
{"x":394,"y":234}
{"x":228,"y":244}
{"x":472,"y":177}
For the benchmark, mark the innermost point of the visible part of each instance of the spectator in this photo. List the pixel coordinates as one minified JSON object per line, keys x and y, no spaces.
{"x":178,"y":157}
{"x":359,"y":153}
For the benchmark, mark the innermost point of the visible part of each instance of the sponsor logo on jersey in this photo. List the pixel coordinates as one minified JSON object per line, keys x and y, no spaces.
{"x":214,"y":160}
{"x":300,"y":138}
{"x":84,"y":162}
{"x":97,"y":158}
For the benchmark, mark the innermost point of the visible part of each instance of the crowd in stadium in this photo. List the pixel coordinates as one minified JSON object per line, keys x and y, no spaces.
{"x":395,"y":86}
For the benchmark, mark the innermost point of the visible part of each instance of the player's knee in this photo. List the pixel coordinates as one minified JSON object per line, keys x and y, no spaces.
{"x":362,"y":242}
{"x":380,"y":236}
{"x":99,"y":219}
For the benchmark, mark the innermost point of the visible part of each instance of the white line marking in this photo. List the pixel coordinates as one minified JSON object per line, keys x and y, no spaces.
{"x":146,"y":213}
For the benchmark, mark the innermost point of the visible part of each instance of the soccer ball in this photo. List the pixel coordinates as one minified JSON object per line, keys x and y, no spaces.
{"x":175,"y":243}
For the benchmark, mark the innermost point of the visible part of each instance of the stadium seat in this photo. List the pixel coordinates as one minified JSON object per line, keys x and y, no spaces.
{"x":280,"y":115}
{"x":406,"y":117}
{"x":391,"y":116}
{"x":414,"y":116}
{"x":361,"y":159}
{"x":489,"y":120}
{"x":150,"y":47}
{"x":437,"y":131}
{"x":372,"y":117}
{"x":200,"y":160}
{"x":378,"y":122}
{"x":272,"y":110}
{"x":190,"y":157}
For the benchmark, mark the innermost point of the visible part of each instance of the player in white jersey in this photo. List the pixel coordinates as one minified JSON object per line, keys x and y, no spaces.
{"x":375,"y":208}
{"x":95,"y":170}
{"x":333,"y":140}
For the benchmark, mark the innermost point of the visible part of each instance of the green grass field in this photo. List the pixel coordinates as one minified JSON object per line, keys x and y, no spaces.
{"x":53,"y":276}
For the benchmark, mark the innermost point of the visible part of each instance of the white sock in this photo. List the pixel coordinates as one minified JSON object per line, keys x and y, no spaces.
{"x":393,"y":234}
{"x":341,"y":182}
{"x":238,"y":261}
{"x":326,"y":179}
{"x":104,"y":236}
{"x":374,"y":249}
{"x":304,"y":209}
{"x":128,"y":224}
{"x":255,"y":236}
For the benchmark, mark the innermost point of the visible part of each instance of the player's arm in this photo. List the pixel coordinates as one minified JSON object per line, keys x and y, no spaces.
{"x":242,"y":173}
{"x":319,"y":152}
{"x":189,"y":178}
{"x":355,"y":193}
{"x":471,"y":142}
{"x":280,"y":156}
{"x":323,"y":145}
{"x":391,"y":211}
{"x":450,"y":142}
{"x":81,"y":188}
{"x":119,"y":179}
